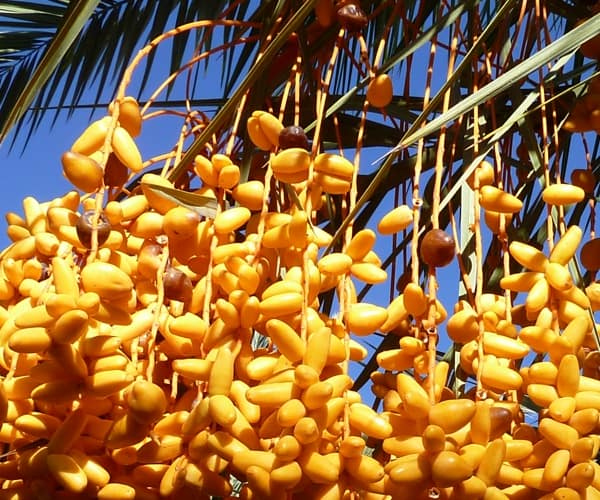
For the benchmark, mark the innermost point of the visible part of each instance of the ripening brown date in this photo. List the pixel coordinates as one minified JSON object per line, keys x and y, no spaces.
{"x":590,"y":254}
{"x":352,"y":18}
{"x":115,"y":172}
{"x":177,"y":284}
{"x":293,"y":136}
{"x":84,"y":228}
{"x":584,"y":179}
{"x":437,"y":248}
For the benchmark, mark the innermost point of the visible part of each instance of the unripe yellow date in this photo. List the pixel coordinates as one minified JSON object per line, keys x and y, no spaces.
{"x":562,"y":194}
{"x":560,"y":435}
{"x":449,"y":468}
{"x":289,"y":343}
{"x":105,"y":279}
{"x":566,"y":246}
{"x":452,"y":414}
{"x":364,"y":318}
{"x":82,"y":171}
{"x":291,"y":161}
{"x":380,"y":91}
{"x":528,"y":256}
{"x":496,"y":200}
{"x":126,"y":149}
{"x":93,"y":137}
{"x":67,"y":472}
{"x":366,"y":420}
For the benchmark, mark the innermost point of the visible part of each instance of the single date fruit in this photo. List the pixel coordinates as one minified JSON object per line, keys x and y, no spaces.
{"x":293,"y":137}
{"x":437,"y":248}
{"x":84,"y":228}
{"x":177,"y":285}
{"x":352,"y":18}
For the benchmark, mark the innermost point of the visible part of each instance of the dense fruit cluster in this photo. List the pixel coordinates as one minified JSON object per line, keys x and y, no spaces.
{"x":130,"y":367}
{"x":168,"y":341}
{"x":127,"y":339}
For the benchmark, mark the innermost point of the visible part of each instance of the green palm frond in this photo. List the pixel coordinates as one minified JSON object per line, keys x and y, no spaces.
{"x":75,"y":18}
{"x":29,"y":29}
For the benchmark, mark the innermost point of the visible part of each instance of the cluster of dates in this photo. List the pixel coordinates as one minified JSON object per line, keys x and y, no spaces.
{"x":130,"y":367}
{"x":541,"y":347}
{"x":126,"y":337}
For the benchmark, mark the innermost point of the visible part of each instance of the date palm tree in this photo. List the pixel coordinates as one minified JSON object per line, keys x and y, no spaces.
{"x":506,"y":82}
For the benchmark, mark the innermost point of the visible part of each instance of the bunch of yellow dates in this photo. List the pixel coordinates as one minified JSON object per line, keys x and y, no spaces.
{"x":542,"y":349}
{"x":130,"y":368}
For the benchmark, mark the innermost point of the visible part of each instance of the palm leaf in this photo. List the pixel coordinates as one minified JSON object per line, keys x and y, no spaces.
{"x":202,"y":205}
{"x":74,"y":21}
{"x":124,"y":27}
{"x":565,"y":45}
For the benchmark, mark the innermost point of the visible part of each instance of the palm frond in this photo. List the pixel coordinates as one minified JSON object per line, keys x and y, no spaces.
{"x":68,"y":29}
{"x":28,"y":30}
